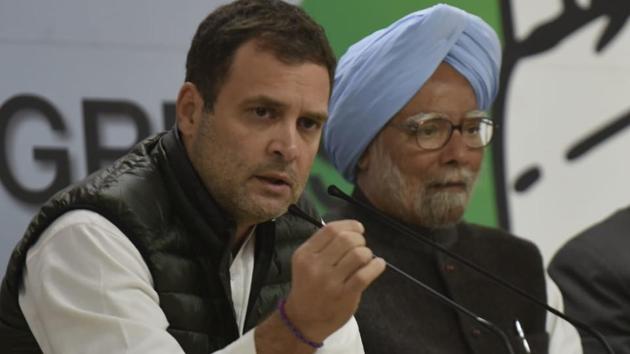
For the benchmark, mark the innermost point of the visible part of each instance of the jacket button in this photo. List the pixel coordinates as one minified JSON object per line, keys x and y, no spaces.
{"x":476,"y":332}
{"x":449,"y":267}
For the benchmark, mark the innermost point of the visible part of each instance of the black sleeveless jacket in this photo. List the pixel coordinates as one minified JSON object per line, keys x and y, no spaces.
{"x":397,"y":316}
{"x":155,"y":198}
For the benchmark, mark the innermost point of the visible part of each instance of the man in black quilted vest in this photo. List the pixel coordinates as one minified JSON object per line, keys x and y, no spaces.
{"x":184,"y":244}
{"x":408,"y":124}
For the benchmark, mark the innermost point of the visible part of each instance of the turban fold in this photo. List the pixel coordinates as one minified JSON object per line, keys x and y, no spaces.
{"x":378,"y":75}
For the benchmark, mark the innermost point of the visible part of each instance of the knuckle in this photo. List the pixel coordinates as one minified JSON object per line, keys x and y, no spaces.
{"x":325,"y":232}
{"x":334,"y":225}
{"x":366,"y":254}
{"x":361,"y":255}
{"x":358,"y":226}
{"x":352,"y":239}
{"x":347,"y":224}
{"x":345,"y":239}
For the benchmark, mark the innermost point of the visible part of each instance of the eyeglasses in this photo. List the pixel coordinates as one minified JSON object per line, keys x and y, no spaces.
{"x":433,"y":132}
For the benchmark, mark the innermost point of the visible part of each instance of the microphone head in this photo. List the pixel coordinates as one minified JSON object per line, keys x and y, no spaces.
{"x":335,"y":191}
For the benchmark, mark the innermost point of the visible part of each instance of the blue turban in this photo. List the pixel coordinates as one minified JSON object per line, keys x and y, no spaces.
{"x":377,"y":76}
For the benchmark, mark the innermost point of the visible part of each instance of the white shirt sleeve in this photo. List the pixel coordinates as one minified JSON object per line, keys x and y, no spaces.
{"x":563,"y":337}
{"x":346,"y":340}
{"x":88,"y":290}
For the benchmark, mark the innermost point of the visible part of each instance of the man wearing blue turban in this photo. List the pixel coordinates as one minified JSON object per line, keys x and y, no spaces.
{"x":408,"y":125}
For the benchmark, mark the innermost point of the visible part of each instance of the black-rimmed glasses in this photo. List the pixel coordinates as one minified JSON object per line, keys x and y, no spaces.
{"x":433,"y":133}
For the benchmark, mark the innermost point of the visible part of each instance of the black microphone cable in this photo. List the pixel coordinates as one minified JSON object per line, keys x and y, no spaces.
{"x":336,"y":192}
{"x":293,"y":209}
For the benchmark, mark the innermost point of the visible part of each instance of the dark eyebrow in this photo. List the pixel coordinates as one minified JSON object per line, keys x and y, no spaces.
{"x":263,"y":100}
{"x":318,"y":116}
{"x":267,"y":101}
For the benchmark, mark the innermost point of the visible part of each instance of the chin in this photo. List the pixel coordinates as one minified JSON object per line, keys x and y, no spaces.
{"x":266,"y":210}
{"x":442,"y":217}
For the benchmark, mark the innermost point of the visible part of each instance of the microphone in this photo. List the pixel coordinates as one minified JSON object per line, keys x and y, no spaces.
{"x":295,"y":210}
{"x":394,"y":224}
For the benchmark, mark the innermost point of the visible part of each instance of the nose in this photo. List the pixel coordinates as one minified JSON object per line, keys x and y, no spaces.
{"x":284,"y":142}
{"x":455,"y":150}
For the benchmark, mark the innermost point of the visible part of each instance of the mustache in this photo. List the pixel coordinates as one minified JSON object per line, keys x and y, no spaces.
{"x":278,"y":167}
{"x":452,"y":175}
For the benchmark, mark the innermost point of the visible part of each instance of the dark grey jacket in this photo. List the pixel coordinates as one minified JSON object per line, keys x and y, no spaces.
{"x":593,"y":272}
{"x":396,"y":316}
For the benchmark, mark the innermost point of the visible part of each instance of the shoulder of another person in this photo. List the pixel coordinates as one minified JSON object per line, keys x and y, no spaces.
{"x":608,"y":237}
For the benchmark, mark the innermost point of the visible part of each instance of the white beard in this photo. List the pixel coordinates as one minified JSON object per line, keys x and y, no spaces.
{"x":428,"y":208}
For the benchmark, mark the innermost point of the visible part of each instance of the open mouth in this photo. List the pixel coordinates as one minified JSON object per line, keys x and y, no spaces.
{"x":277,"y":181}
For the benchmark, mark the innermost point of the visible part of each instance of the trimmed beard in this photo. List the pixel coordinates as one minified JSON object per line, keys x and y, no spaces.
{"x":432,"y":209}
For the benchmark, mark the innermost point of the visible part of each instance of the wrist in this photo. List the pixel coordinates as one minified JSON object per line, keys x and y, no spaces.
{"x":296,"y":329}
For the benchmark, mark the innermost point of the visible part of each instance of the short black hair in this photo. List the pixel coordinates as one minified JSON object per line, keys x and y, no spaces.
{"x":283,"y":29}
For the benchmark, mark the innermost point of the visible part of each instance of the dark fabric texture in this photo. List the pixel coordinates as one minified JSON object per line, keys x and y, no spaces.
{"x":154,"y":196}
{"x":593,"y":273}
{"x":397,"y":316}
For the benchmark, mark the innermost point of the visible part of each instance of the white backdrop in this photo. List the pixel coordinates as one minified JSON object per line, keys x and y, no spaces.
{"x":556,"y":100}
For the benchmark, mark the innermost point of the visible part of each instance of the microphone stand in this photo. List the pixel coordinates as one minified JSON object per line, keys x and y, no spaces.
{"x":293,"y":209}
{"x":336,"y":192}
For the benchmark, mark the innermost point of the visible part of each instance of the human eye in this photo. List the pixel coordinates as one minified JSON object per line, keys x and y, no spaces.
{"x":428,"y":129}
{"x":472,"y":127}
{"x":262,"y":112}
{"x":309,"y":124}
{"x":472,"y":130}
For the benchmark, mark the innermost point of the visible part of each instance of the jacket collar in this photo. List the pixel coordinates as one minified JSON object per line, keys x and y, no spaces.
{"x":190,"y":182}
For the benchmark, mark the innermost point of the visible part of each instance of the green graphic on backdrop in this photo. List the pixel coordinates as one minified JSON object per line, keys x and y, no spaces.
{"x":347,"y":21}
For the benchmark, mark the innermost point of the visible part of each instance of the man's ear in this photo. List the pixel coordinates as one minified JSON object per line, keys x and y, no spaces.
{"x":188,"y":109}
{"x":362,"y":173}
{"x":364,"y":162}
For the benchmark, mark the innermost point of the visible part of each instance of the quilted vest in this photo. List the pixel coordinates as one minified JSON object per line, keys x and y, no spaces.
{"x":154,"y":196}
